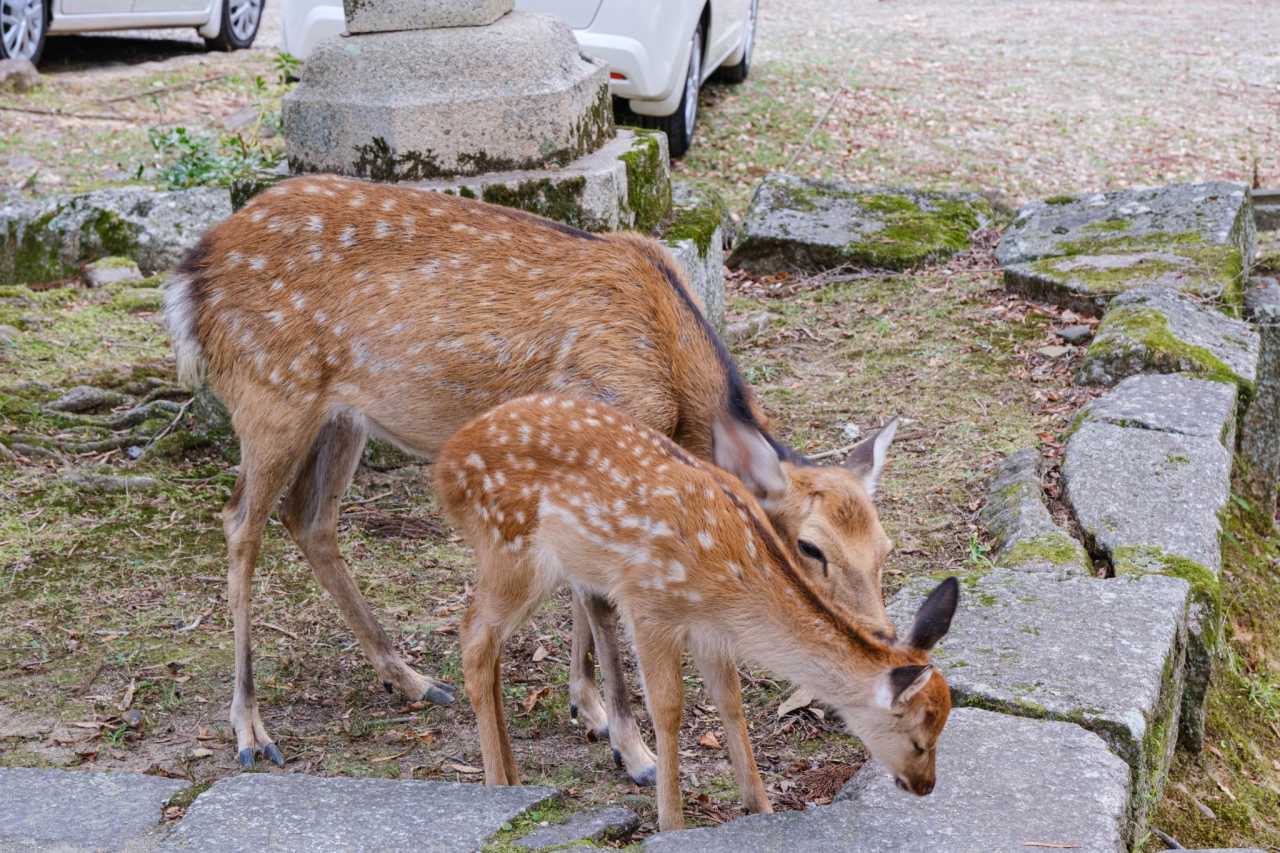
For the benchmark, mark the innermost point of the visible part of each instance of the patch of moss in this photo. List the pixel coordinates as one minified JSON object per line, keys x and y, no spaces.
{"x":550,"y":811}
{"x":35,"y":250}
{"x":697,"y":223}
{"x":561,"y":201}
{"x":1060,"y":199}
{"x":1105,"y":281}
{"x":113,"y":262}
{"x":648,"y":184}
{"x":911,"y":234}
{"x":1056,"y":548}
{"x":137,"y":299}
{"x":1135,"y":331}
{"x":1108,"y":225}
{"x":1205,"y":586}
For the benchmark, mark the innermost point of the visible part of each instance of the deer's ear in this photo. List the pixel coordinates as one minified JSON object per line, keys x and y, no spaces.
{"x":744,"y":452}
{"x":933,"y":619}
{"x":907,"y":681}
{"x":868,"y":457}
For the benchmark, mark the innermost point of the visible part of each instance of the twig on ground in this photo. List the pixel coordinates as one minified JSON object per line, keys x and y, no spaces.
{"x":61,"y":114}
{"x":804,"y":143}
{"x":1167,"y":839}
{"x":190,"y":84}
{"x":284,"y":631}
{"x":182,"y":411}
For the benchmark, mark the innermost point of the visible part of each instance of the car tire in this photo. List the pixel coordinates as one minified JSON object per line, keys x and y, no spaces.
{"x":240,"y":22}
{"x":738,"y":73}
{"x":24,"y":25}
{"x":679,"y":125}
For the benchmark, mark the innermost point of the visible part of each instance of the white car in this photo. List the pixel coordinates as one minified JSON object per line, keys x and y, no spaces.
{"x":659,"y":53}
{"x":24,"y":24}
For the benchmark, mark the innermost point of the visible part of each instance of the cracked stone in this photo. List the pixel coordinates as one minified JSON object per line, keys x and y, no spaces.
{"x":1026,"y":537}
{"x":592,"y":825}
{"x":1170,"y":402}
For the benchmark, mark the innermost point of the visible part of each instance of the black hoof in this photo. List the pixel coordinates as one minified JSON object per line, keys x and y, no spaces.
{"x":272,"y":753}
{"x":647,"y":779}
{"x":440,"y":694}
{"x":617,"y":759}
{"x":573,"y":713}
{"x":386,"y":685}
{"x":245,"y":757}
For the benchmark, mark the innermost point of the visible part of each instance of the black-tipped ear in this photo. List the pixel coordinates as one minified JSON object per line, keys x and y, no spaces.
{"x":868,"y":457}
{"x":933,"y":619}
{"x":907,"y":681}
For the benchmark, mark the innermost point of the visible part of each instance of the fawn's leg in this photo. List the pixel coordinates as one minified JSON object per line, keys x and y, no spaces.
{"x":481,"y":668}
{"x":585,"y":706}
{"x":269,"y":448}
{"x":720,"y":676}
{"x":664,"y":691}
{"x":629,"y":748}
{"x":310,"y":513}
{"x":504,"y":734}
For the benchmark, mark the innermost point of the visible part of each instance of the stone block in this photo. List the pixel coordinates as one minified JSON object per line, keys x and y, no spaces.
{"x":695,"y":235}
{"x":802,"y":224}
{"x":1108,"y":655}
{"x":49,"y":238}
{"x":1026,"y":537}
{"x":293,"y":812}
{"x":1170,"y":402}
{"x":1260,"y":430}
{"x":384,"y":16}
{"x":1081,"y":251}
{"x":422,"y":104}
{"x":110,"y":271}
{"x":590,"y":825}
{"x":70,"y":810}
{"x":1158,"y":330}
{"x":1003,"y":781}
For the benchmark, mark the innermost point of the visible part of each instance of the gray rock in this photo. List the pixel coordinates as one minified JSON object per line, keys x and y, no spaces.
{"x":18,"y":75}
{"x":593,"y":825}
{"x":1028,"y":645}
{"x":749,"y":327}
{"x":380,"y":16}
{"x":8,"y":334}
{"x":293,"y":812}
{"x":111,"y":271}
{"x":1260,"y":430}
{"x":421,"y":104}
{"x":994,"y":775}
{"x":1261,"y":294}
{"x":80,"y":810}
{"x":86,"y":398}
{"x":138,"y":299}
{"x":1170,"y":402}
{"x":48,"y":239}
{"x":802,"y":224}
{"x":1076,"y":334}
{"x":1081,"y":251}
{"x":1015,"y":515}
{"x":695,"y":236}
{"x":1157,"y":330}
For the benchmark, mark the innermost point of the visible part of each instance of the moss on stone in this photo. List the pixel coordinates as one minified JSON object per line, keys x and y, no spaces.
{"x":137,"y":299}
{"x":1060,"y":199}
{"x":1105,"y":281}
{"x":911,"y":234}
{"x":558,"y":200}
{"x":648,"y":184}
{"x":1105,"y":225}
{"x":1126,"y":328}
{"x":113,"y":262}
{"x":698,"y":222}
{"x":1056,"y":548}
{"x":550,"y":811}
{"x":35,"y":250}
{"x":1206,"y":589}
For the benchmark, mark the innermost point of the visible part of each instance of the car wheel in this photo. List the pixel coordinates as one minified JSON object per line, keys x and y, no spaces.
{"x":679,"y":125}
{"x":738,"y":73}
{"x":22,"y":29}
{"x":240,"y":20}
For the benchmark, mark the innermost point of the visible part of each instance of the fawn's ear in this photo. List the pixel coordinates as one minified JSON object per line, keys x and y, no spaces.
{"x":907,"y":681}
{"x":933,"y":619}
{"x":744,"y":452}
{"x":868,"y":456}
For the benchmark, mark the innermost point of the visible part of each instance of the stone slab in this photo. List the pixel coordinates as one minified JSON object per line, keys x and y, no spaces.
{"x":381,"y":16}
{"x":1260,"y":430}
{"x":696,"y":236}
{"x":1025,"y":535}
{"x":808,"y":225}
{"x":80,"y":810}
{"x":106,"y":271}
{"x":591,"y":825}
{"x":49,"y":238}
{"x":1170,"y":402}
{"x":1158,"y":330}
{"x":292,"y":812}
{"x":1081,"y":251}
{"x":1002,"y":781}
{"x":1108,"y":655}
{"x":417,"y":105}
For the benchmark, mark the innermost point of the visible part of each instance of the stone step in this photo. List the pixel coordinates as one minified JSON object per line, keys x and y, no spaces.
{"x":1080,"y":251}
{"x":1158,"y":330}
{"x":72,"y":810}
{"x":1106,"y":654}
{"x":1026,"y":537}
{"x":1003,"y":782}
{"x":802,"y":224}
{"x":1146,"y":485}
{"x":292,"y":812}
{"x":590,"y":825}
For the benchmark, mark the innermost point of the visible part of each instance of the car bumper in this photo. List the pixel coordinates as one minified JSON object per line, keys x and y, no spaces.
{"x":629,"y":58}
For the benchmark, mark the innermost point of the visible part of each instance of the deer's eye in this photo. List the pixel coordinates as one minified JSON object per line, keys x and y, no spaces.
{"x":813,"y":552}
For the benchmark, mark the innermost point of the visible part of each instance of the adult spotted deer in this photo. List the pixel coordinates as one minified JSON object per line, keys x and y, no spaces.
{"x":329,"y":309}
{"x":550,"y":490}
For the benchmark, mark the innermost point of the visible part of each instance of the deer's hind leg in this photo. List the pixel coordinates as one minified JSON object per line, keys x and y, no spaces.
{"x":629,"y":748}
{"x":310,"y":513}
{"x":585,"y":706}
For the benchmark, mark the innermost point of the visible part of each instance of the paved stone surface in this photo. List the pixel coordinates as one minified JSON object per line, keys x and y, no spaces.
{"x":293,"y":812}
{"x":802,"y":224}
{"x":1260,"y":431}
{"x":1080,"y":251}
{"x":1106,"y":654}
{"x":995,"y":774}
{"x":1157,"y":330}
{"x":382,"y":16}
{"x":423,"y":104}
{"x":1170,"y":402}
{"x":1015,"y":515}
{"x":49,"y":238}
{"x":695,"y":235}
{"x":593,"y":825}
{"x":80,"y":810}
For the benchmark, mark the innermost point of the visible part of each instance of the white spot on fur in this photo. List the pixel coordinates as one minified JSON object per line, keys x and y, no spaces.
{"x":705,"y":540}
{"x":299,"y":301}
{"x":348,"y":236}
{"x":473,"y":460}
{"x":315,"y":224}
{"x":381,"y":229}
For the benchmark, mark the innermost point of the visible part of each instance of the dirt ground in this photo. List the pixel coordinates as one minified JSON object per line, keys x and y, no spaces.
{"x":115,"y":646}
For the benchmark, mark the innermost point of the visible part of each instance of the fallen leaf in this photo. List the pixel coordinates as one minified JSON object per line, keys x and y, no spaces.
{"x":540,"y":653}
{"x":531,"y":700}
{"x":709,"y":740}
{"x":796,"y":701}
{"x":127,"y":699}
{"x":199,"y":752}
{"x":463,"y":768}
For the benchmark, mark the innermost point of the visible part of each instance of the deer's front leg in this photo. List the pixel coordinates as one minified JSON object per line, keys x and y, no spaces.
{"x":720,"y":676}
{"x":664,"y":693}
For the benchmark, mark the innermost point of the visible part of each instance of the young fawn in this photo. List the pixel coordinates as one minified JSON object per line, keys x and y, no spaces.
{"x":328,"y":309}
{"x":552,"y":490}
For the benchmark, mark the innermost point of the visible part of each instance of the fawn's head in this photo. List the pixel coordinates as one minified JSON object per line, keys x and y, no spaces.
{"x":910,"y":700}
{"x":824,"y":514}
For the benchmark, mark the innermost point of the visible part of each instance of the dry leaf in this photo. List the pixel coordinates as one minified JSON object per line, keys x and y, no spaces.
{"x":709,"y":740}
{"x":540,"y":653}
{"x":463,"y":768}
{"x":532,"y":698}
{"x":200,"y":752}
{"x":800,"y":699}
{"x":127,"y":699}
